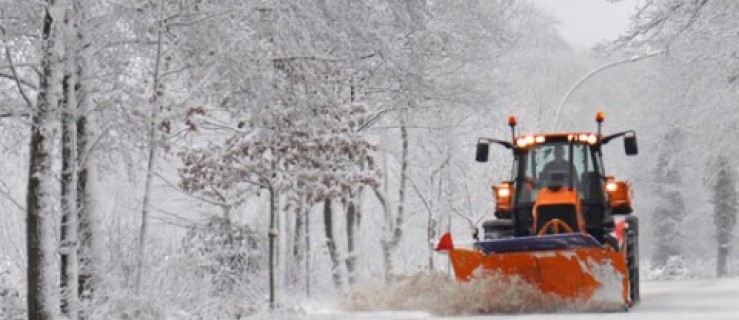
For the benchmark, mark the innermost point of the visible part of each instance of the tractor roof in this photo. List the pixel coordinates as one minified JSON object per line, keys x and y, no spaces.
{"x":530,"y":139}
{"x":557,"y":134}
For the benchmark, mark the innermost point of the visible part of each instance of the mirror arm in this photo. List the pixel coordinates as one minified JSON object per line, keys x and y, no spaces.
{"x":506,"y":144}
{"x":607,"y":139}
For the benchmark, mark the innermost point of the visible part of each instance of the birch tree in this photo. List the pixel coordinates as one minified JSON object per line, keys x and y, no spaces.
{"x":61,"y":27}
{"x":154,"y":140}
{"x":69,"y":178}
{"x":42,"y":296}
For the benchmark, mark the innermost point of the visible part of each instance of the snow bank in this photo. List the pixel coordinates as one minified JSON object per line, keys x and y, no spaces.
{"x":676,"y":268}
{"x":440,"y":295}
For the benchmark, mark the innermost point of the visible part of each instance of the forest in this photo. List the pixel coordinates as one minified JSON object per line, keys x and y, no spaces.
{"x":219,"y":159}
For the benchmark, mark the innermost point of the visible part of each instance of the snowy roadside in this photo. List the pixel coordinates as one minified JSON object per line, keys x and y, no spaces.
{"x":673,"y":300}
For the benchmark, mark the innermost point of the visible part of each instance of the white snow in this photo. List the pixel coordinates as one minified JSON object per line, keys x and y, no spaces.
{"x":712,"y":299}
{"x":610,"y":280}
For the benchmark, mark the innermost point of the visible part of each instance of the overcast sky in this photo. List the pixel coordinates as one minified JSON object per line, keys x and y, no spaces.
{"x":586,"y":22}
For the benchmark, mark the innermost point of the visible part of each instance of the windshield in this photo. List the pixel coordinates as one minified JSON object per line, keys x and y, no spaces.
{"x":552,"y":164}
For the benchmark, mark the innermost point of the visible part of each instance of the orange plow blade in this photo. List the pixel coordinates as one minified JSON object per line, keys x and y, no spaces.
{"x":577,"y":275}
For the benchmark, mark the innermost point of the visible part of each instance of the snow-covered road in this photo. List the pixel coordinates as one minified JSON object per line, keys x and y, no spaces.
{"x":674,"y":300}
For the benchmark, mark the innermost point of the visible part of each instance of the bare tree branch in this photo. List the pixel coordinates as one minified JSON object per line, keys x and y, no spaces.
{"x":17,"y":78}
{"x":24,"y":82}
{"x":19,"y":65}
{"x":11,"y":115}
{"x":6,"y":193}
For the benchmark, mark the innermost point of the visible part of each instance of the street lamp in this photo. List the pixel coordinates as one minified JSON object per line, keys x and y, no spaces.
{"x":592,"y":73}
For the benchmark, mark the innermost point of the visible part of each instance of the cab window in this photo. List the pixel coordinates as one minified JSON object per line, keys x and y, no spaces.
{"x":550,"y":164}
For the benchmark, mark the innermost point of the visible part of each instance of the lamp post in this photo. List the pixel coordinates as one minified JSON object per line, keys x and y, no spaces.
{"x":592,"y":73}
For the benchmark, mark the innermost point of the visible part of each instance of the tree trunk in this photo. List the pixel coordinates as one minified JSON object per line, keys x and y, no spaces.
{"x":384,"y":242}
{"x":307,"y":253}
{"x":721,"y":260}
{"x":351,"y":257}
{"x":42,"y":298}
{"x":85,"y":234}
{"x":430,"y":236}
{"x":272,"y":236}
{"x":725,"y":202}
{"x":298,"y":252}
{"x":331,"y":242}
{"x":153,"y":148}
{"x":353,"y":215}
{"x":84,"y":197}
{"x":228,"y":224}
{"x":69,"y":262}
{"x":287,"y":262}
{"x":390,"y":243}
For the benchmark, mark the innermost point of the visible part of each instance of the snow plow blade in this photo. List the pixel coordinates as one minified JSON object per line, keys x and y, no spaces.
{"x":574,"y":267}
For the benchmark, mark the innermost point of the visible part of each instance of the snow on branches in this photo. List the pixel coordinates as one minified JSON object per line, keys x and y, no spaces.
{"x":312,"y":153}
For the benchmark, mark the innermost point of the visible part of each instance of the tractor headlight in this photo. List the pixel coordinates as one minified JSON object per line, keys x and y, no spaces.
{"x":611,"y":186}
{"x":592,"y":139}
{"x":504,"y":192}
{"x":521,"y":142}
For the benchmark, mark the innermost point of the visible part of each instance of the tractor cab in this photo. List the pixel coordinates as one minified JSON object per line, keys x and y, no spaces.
{"x":558,"y":185}
{"x":556,"y":163}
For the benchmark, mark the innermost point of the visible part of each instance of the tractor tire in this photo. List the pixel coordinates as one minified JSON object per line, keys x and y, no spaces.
{"x":632,"y":257}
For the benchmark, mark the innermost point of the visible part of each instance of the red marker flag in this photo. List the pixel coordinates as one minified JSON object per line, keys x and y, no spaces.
{"x":445,"y":244}
{"x":620,"y":231}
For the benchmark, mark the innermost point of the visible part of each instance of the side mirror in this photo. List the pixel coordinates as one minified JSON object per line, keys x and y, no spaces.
{"x":482,"y":152}
{"x":630,"y":145}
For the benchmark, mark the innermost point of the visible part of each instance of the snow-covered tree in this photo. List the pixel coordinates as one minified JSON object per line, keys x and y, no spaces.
{"x":42,"y":294}
{"x":299,"y":153}
{"x":725,"y":208}
{"x":230,"y":255}
{"x":669,"y":210}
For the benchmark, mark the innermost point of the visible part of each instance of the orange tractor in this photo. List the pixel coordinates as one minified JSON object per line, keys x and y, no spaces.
{"x":560,"y":220}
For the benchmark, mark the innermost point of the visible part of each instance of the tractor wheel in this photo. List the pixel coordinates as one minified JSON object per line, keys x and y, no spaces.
{"x":632,"y":257}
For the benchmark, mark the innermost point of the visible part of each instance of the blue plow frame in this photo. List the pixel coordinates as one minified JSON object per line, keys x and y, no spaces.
{"x":537,"y":243}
